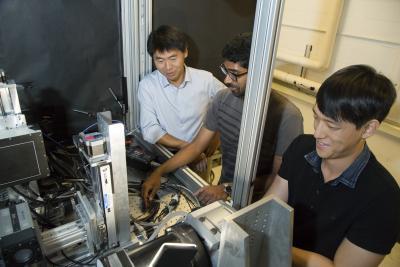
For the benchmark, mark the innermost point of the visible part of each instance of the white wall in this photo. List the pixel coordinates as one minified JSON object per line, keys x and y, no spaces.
{"x":385,"y":146}
{"x":368,"y":33}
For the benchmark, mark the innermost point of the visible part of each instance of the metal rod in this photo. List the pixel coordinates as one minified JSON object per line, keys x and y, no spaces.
{"x":116,"y":99}
{"x":262,"y":58}
{"x":307,"y":53}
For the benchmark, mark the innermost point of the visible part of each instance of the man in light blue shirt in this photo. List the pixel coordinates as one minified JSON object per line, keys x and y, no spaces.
{"x":173,"y":98}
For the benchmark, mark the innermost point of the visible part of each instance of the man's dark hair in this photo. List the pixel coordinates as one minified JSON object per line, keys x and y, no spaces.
{"x":238,"y":49}
{"x":356,"y":94}
{"x":165,"y":38}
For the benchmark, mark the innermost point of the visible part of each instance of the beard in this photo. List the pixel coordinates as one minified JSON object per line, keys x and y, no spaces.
{"x":235,"y":90}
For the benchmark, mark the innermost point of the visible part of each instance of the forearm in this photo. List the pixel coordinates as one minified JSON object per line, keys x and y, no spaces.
{"x":279,"y":188}
{"x":180,"y":159}
{"x":304,"y":258}
{"x":183,"y":157}
{"x":171,"y":141}
{"x":269,"y":179}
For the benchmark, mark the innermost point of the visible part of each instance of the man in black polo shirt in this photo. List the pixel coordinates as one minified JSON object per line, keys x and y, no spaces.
{"x":346,"y":204}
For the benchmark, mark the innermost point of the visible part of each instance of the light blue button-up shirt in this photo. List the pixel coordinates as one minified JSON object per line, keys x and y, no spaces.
{"x":178,"y":111}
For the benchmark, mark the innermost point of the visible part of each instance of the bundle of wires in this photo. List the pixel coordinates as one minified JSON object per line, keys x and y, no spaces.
{"x":86,"y":261}
{"x":69,"y":168}
{"x":66,"y":178}
{"x":41,"y":205}
{"x":189,"y":196}
{"x":162,"y":209}
{"x":145,"y":215}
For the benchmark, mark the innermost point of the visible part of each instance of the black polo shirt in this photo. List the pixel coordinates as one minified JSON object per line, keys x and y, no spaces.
{"x":367,"y":213}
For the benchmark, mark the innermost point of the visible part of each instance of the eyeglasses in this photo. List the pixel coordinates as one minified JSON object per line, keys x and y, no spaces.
{"x":231,"y":75}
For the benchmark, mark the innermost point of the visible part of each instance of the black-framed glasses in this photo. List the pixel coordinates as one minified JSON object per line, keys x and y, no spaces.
{"x":231,"y":75}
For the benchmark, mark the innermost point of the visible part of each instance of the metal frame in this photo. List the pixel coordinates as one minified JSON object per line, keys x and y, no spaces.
{"x":146,"y":25}
{"x":260,"y":234}
{"x":265,"y":38}
{"x":137,"y":18}
{"x":63,"y":237}
{"x":182,"y":174}
{"x":136,"y":25}
{"x":117,"y":212}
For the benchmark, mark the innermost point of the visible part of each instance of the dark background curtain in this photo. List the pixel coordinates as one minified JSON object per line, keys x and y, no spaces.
{"x":209,"y":25}
{"x":66,"y":54}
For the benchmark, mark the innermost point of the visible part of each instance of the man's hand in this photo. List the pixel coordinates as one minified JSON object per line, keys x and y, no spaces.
{"x":150,"y":188}
{"x":209,"y":194}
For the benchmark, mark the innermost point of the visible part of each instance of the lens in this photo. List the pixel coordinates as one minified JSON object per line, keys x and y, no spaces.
{"x":226,"y":72}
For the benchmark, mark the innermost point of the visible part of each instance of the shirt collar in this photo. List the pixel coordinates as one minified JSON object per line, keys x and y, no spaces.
{"x":164,"y":81}
{"x":350,"y":176}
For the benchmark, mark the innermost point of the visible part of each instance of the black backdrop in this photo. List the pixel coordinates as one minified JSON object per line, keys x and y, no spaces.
{"x":66,"y":53}
{"x":209,"y":25}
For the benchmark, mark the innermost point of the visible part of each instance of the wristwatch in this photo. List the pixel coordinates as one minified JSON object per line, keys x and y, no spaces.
{"x":228,"y":188}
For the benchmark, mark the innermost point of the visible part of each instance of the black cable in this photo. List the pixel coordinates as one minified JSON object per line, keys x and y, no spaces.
{"x":46,"y":223}
{"x":43,"y":220}
{"x":185,"y":193}
{"x":72,"y":160}
{"x":162,"y":214}
{"x":26,"y":196}
{"x":80,"y":263}
{"x":89,"y":259}
{"x":66,"y":153}
{"x":60,"y":165}
{"x":94,"y":257}
{"x":66,"y":164}
{"x":155,"y":207}
{"x":189,"y":202}
{"x":53,"y":199}
{"x":32,"y":191}
{"x":53,"y":263}
{"x":135,"y":188}
{"x":152,"y":211}
{"x":53,"y":140}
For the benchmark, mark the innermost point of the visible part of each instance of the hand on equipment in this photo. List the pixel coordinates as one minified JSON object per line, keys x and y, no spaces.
{"x":211,"y":193}
{"x":150,"y":188}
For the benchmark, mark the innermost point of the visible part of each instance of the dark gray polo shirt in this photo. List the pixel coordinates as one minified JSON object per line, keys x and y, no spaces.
{"x":284,"y":123}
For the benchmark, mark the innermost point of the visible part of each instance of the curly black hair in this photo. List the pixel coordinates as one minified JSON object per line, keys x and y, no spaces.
{"x":238,"y":49}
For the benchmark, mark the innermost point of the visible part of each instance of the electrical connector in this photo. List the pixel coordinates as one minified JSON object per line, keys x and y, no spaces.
{"x":173,"y":202}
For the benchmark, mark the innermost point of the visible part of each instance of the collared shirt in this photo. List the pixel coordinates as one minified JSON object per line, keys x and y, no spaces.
{"x":350,"y":176}
{"x":178,"y":111}
{"x":368,"y":215}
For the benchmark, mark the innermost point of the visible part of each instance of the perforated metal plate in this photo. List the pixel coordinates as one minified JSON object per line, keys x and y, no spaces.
{"x":258,"y":235}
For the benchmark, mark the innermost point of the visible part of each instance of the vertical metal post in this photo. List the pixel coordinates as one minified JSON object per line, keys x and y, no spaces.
{"x":136,"y":24}
{"x":307,"y":53}
{"x":264,"y":44}
{"x":146,"y":15}
{"x":113,"y":176}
